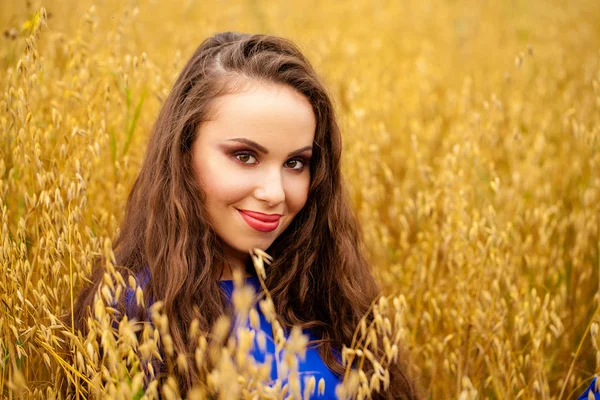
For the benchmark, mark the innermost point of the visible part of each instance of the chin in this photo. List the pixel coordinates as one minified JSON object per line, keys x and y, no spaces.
{"x":260,"y":245}
{"x":246,"y":247}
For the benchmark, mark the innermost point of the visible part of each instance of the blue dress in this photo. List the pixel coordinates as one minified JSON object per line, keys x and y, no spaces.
{"x":312,"y":365}
{"x":585,"y":395}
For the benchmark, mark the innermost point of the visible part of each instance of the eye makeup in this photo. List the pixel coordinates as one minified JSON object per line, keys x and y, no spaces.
{"x":264,"y":150}
{"x":238,"y":152}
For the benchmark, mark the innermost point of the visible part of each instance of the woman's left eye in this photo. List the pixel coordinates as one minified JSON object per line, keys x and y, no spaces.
{"x":295,"y":164}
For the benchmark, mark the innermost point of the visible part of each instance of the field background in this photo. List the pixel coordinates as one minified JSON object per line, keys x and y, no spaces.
{"x":471,"y":136}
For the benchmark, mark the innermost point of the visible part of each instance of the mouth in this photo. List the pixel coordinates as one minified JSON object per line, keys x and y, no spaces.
{"x":260,"y":222}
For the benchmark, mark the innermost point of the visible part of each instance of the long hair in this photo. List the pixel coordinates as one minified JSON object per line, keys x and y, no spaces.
{"x":319,"y":279}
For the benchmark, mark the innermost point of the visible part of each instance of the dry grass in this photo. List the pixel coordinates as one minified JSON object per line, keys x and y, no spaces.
{"x":471,"y":150}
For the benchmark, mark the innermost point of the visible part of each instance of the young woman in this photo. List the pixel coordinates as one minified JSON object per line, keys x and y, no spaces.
{"x":246,"y":154}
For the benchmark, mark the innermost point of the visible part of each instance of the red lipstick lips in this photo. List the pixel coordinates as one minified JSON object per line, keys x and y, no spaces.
{"x":259,"y":221}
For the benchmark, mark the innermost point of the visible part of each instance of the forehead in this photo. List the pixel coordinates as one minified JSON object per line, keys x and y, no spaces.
{"x":265,"y":112}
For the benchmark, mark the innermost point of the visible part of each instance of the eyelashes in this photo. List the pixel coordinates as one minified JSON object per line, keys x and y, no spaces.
{"x":246,"y":155}
{"x":249,"y":157}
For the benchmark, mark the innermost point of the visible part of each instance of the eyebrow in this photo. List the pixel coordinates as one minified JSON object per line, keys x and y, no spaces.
{"x":263,"y":149}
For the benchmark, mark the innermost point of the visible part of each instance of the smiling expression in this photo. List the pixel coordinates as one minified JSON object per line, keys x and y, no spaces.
{"x":252,"y":160}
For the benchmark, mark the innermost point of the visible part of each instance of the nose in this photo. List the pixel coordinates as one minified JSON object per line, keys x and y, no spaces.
{"x":270,"y":188}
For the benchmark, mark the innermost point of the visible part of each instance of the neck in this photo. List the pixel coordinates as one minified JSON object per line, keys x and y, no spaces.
{"x":231,"y":263}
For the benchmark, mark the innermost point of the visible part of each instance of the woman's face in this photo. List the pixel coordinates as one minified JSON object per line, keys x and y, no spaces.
{"x":252,"y":159}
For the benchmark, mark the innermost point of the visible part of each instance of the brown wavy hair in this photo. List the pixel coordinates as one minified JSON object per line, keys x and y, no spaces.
{"x":319,"y":279}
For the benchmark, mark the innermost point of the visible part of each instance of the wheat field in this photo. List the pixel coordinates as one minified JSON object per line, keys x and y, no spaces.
{"x":471,"y":135}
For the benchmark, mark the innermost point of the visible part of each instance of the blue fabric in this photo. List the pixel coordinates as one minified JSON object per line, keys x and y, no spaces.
{"x":312,"y":365}
{"x":142,"y":279}
{"x":585,"y":395}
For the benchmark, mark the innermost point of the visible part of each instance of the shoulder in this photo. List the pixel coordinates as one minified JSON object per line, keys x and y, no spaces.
{"x":591,"y":392}
{"x":141,"y":281}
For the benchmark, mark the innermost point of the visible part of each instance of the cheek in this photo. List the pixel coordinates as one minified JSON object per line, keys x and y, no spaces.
{"x":297,"y":194}
{"x":221,"y":186}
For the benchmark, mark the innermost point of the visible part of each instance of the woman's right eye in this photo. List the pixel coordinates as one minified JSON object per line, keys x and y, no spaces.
{"x":245,"y":158}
